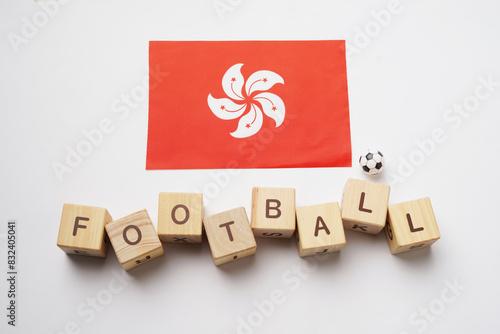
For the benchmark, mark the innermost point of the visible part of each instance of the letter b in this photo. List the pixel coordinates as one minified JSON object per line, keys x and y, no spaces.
{"x":275,"y":207}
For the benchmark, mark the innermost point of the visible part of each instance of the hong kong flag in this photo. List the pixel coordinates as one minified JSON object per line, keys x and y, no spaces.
{"x":248,"y":104}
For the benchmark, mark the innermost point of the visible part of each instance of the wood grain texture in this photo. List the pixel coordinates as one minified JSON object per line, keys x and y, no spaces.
{"x":319,"y":229}
{"x":134,"y":239}
{"x":229,"y":235}
{"x":81,"y":231}
{"x":411,"y":225}
{"x":180,"y":217}
{"x":273,"y":212}
{"x":364,"y":206}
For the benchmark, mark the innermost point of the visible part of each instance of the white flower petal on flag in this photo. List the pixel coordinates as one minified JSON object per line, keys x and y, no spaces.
{"x":262,"y":80}
{"x":225,"y":108}
{"x":253,"y":99}
{"x":249,"y":124}
{"x":273,"y":106}
{"x":233,"y":81}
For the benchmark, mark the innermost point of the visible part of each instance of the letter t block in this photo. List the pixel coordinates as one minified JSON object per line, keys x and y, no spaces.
{"x":82,"y":230}
{"x":411,"y":225}
{"x":364,"y":206}
{"x":319,"y":229}
{"x":229,"y":235}
{"x":273,"y":212}
{"x":134,"y":239}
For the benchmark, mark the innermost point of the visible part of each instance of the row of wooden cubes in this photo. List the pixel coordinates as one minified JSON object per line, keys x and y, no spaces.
{"x":320,"y":228}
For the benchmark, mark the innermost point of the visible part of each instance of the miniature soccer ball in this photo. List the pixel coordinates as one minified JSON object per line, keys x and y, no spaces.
{"x":372,"y":161}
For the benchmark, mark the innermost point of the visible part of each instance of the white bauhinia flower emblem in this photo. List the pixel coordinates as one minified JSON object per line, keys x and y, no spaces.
{"x":252,"y":99}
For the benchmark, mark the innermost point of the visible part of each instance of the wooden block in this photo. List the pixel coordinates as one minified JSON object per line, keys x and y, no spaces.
{"x":229,"y":235}
{"x":180,"y":217}
{"x":319,"y":229}
{"x":411,"y":225}
{"x":364,"y":206}
{"x":134,"y":239}
{"x":273,"y":212}
{"x":81,"y":231}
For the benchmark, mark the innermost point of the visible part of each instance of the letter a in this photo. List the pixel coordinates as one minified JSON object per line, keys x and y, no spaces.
{"x":323,"y":226}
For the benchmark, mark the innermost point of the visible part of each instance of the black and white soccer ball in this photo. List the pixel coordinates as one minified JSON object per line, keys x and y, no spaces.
{"x":372,"y":161}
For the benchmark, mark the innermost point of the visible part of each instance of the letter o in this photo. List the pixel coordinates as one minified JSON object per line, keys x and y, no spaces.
{"x":127,"y":240}
{"x":174,"y":210}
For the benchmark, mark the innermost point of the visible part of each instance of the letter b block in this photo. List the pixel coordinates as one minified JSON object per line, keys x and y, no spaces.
{"x":82,"y":230}
{"x":229,"y":235}
{"x":411,"y":225}
{"x":180,"y":217}
{"x":319,"y":229}
{"x":364,"y":206}
{"x":134,"y":239}
{"x":273,"y":212}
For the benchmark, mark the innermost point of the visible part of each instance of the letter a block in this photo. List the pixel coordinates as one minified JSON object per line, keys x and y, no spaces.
{"x":229,"y":235}
{"x":134,"y":239}
{"x":364,"y":206}
{"x":319,"y":229}
{"x":273,"y":212}
{"x":82,"y":230}
{"x":411,"y":225}
{"x":180,"y":217}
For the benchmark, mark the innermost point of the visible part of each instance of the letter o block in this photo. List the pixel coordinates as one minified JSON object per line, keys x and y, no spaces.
{"x":273,"y":212}
{"x":134,"y":239}
{"x":229,"y":235}
{"x":81,"y":231}
{"x":319,"y":229}
{"x":180,"y":217}
{"x":364,"y":206}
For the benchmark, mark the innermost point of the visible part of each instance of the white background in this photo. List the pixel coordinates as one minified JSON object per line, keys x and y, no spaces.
{"x":404,"y":76}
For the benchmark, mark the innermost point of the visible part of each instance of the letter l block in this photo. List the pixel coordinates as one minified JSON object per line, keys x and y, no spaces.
{"x":364,"y":206}
{"x":411,"y":225}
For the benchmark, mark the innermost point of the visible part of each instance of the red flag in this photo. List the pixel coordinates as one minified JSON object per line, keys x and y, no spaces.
{"x":248,"y":104}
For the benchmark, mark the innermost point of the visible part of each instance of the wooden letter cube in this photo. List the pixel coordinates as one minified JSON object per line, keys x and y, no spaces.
{"x":229,"y":235}
{"x":319,"y":229}
{"x":273,"y":212}
{"x":411,"y":225}
{"x":134,"y":239}
{"x":364,"y":206}
{"x":180,"y":217}
{"x":82,"y":230}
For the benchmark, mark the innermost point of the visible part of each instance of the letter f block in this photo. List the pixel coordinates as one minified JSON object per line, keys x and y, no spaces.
{"x":81,"y":231}
{"x":229,"y":235}
{"x":364,"y":206}
{"x":273,"y":212}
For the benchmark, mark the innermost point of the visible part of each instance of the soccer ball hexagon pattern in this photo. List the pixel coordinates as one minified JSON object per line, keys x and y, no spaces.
{"x":372,"y":161}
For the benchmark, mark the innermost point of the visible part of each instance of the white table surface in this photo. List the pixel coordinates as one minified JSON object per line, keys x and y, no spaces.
{"x":405,"y":77}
